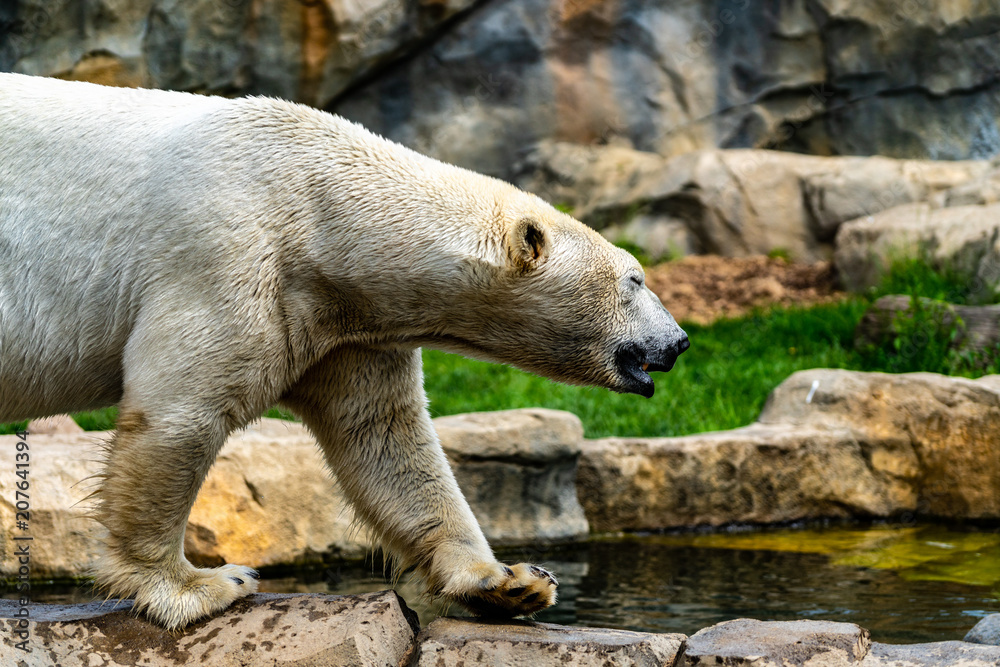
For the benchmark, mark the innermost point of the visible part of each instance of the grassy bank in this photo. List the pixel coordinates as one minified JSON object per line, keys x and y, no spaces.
{"x":724,"y":379}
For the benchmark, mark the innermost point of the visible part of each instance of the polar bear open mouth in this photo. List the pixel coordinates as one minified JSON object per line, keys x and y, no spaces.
{"x":634,"y":364}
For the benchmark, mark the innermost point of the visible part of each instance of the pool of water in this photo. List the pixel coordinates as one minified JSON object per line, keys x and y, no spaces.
{"x":905,"y":583}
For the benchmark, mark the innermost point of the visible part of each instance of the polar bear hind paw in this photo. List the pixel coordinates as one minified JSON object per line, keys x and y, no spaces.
{"x":177,"y":601}
{"x":518,"y":590}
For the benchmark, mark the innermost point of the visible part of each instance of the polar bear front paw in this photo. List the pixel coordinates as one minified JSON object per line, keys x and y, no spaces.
{"x":175,"y":602}
{"x":509,"y":591}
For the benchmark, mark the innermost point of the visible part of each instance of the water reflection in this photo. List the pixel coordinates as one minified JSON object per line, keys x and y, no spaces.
{"x":648,"y":585}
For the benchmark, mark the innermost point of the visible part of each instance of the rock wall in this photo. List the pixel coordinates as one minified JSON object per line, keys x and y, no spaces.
{"x":269,"y":499}
{"x":738,"y":202}
{"x":309,"y":51}
{"x":481,"y":82}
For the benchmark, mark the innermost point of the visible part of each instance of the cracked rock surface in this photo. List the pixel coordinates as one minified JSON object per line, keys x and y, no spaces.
{"x":262,"y":629}
{"x":455,"y":642}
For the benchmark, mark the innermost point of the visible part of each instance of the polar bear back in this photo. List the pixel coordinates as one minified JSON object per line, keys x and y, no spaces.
{"x":86,"y":173}
{"x":113,"y":200}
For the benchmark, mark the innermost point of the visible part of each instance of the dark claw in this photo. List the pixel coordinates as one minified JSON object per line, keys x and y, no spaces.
{"x":539,"y":572}
{"x":237,"y":580}
{"x":509,"y":572}
{"x":255,"y":574}
{"x":514,"y":592}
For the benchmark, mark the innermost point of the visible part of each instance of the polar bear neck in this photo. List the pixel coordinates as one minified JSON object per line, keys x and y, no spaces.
{"x":366,"y":219}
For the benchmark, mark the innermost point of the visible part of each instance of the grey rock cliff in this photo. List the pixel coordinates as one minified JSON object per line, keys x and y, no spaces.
{"x":480,"y":83}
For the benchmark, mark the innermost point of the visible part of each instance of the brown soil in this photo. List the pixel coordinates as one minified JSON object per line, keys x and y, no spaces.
{"x":702,"y":289}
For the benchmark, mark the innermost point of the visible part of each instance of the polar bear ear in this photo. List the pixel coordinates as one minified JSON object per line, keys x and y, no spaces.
{"x":527,"y":244}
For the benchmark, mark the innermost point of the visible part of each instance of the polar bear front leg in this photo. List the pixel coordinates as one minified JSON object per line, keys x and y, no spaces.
{"x":368,"y":410}
{"x":152,"y":475}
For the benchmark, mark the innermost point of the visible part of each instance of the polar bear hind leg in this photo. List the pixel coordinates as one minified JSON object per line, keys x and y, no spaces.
{"x":151,"y":478}
{"x":368,"y":411}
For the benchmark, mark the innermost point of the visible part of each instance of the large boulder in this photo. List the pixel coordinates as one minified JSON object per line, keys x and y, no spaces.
{"x":756,"y":474}
{"x":262,"y":629}
{"x":269,"y":498}
{"x":965,"y":239}
{"x":731,"y":202}
{"x":935,"y":434}
{"x":986,"y":631}
{"x":829,"y":443}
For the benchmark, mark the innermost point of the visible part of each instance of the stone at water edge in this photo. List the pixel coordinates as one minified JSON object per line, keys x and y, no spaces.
{"x":453,"y":642}
{"x":935,"y":654}
{"x":986,"y":631}
{"x":750,"y":642}
{"x":268,"y":500}
{"x":929,"y":437}
{"x":260,"y":630}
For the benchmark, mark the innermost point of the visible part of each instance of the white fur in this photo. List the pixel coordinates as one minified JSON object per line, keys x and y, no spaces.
{"x":196,"y":259}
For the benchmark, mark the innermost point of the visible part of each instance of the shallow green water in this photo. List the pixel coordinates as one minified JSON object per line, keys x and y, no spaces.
{"x":904,"y":583}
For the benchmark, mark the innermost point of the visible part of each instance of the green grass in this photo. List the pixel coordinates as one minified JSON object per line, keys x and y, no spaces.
{"x":915,"y":278}
{"x":724,"y":379}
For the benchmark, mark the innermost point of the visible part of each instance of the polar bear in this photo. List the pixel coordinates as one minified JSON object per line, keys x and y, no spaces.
{"x":197,"y":259}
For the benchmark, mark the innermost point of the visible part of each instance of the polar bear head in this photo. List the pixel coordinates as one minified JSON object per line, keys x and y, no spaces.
{"x":547,"y":294}
{"x":434,"y":255}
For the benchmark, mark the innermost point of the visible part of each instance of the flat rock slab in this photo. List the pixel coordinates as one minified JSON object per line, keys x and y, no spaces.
{"x":782,"y":643}
{"x":937,"y":654}
{"x":262,"y":629}
{"x":454,"y":642}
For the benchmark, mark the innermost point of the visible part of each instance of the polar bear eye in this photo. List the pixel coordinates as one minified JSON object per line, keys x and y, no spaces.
{"x":636,"y":280}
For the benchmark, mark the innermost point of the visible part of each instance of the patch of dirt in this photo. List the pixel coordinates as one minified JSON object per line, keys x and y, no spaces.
{"x":705,"y":288}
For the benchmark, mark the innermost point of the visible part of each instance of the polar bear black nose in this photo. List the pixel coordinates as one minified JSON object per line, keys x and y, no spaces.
{"x":683,"y":344}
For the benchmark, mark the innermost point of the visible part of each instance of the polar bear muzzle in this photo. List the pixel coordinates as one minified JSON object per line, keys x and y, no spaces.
{"x":635,"y":361}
